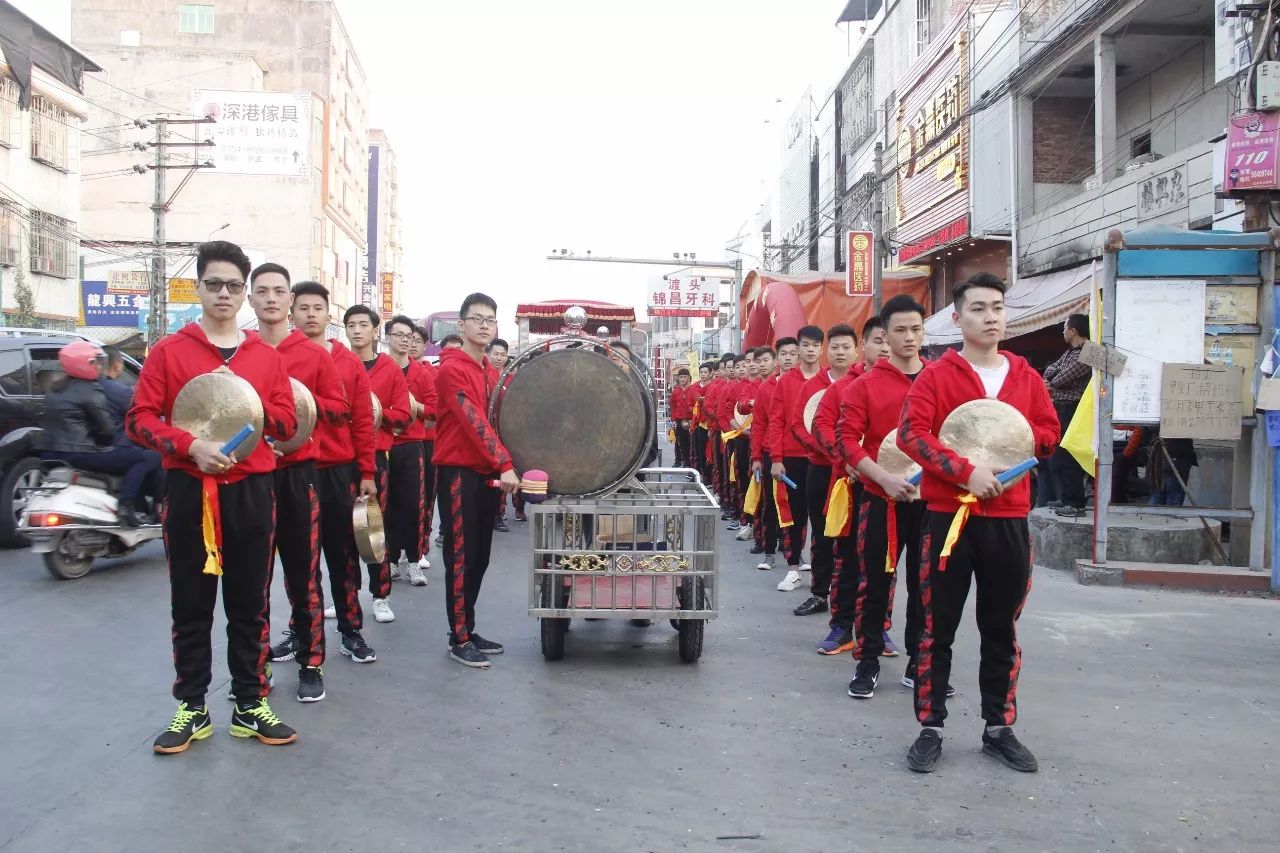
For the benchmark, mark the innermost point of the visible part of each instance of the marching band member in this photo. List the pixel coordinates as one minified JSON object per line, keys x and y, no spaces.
{"x":297,"y":501}
{"x":697,"y":409}
{"x":790,"y":457}
{"x":406,"y":499}
{"x":993,"y":547}
{"x":209,"y":494}
{"x":345,"y":468}
{"x":681,"y":411}
{"x":766,"y":519}
{"x":428,"y":445}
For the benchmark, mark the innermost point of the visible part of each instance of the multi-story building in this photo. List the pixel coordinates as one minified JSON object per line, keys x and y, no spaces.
{"x":386,"y":251}
{"x":290,"y":177}
{"x":42,"y":108}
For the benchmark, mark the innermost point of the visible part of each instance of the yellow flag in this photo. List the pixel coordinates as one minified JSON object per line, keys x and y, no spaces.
{"x":838,"y":508}
{"x":1077,"y":437}
{"x":751,"y":503}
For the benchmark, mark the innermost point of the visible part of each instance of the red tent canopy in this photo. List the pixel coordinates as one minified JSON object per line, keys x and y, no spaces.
{"x":547,"y":318}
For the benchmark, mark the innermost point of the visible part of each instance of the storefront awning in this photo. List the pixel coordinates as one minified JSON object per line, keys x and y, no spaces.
{"x":1032,"y":304}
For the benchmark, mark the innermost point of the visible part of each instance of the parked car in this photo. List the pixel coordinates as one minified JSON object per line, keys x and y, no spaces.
{"x":28,"y":367}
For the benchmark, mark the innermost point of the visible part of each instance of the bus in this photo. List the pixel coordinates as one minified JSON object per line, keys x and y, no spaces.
{"x":439,"y":325}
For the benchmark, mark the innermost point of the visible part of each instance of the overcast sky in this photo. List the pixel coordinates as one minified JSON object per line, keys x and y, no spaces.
{"x":632,"y":129}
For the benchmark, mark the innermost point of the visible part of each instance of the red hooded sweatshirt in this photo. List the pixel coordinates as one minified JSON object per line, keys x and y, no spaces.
{"x":695,"y":394}
{"x":303,"y":362}
{"x":760,"y":417}
{"x":711,"y":404}
{"x":869,"y":410}
{"x":424,"y":391}
{"x":464,"y":436}
{"x":936,"y":393}
{"x":429,"y":408}
{"x":353,"y":441}
{"x":826,"y":422}
{"x":186,"y":354}
{"x":786,"y":413}
{"x":681,"y":403}
{"x":387,"y":382}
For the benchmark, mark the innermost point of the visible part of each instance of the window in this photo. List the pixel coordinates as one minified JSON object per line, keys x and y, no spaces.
{"x":1140,"y":144}
{"x":10,"y":235}
{"x":9,"y":114}
{"x":49,"y":126}
{"x":317,"y":233}
{"x":54,"y":247}
{"x":194,"y":18}
{"x":14,"y":379}
{"x":924,"y":11}
{"x":45,"y":368}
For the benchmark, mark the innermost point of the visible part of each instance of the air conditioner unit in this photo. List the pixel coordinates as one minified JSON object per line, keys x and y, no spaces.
{"x":1141,"y":160}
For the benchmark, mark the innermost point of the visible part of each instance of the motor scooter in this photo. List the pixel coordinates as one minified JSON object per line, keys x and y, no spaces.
{"x":71,"y":518}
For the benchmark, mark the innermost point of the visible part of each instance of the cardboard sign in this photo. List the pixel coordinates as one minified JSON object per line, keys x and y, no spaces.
{"x":1269,"y":395}
{"x":1107,"y":359}
{"x":1201,"y":401}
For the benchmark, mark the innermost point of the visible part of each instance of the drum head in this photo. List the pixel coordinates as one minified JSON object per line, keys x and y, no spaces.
{"x":578,"y":416}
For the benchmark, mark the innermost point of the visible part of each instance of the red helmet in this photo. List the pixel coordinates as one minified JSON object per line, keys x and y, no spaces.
{"x":80,"y":359}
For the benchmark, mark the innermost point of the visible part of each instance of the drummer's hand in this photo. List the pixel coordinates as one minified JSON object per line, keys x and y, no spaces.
{"x":756,"y":467}
{"x":369,"y":489}
{"x":509,"y":482}
{"x":896,"y":488}
{"x":983,"y":484}
{"x":209,"y":457}
{"x":778,"y":471}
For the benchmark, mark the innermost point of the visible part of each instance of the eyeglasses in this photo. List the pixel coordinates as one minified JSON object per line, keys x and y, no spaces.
{"x":213,"y":285}
{"x":400,"y":336}
{"x":483,"y":322}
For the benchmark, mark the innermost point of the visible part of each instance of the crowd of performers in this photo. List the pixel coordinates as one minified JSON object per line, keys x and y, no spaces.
{"x":783,"y":476}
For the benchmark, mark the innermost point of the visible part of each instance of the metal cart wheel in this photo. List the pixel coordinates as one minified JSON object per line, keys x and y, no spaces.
{"x":553,"y":631}
{"x":691,"y":631}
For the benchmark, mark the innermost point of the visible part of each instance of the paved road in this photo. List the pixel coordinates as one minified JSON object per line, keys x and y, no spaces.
{"x":1154,"y":716}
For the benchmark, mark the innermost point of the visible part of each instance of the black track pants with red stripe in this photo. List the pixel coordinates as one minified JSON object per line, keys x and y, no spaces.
{"x":765,"y":525}
{"x":338,"y":487}
{"x":742,"y":471}
{"x":248,"y":528}
{"x":428,"y":497}
{"x":406,"y":510}
{"x":467,"y":508}
{"x":823,"y":550}
{"x":298,"y":543}
{"x":874,"y":595}
{"x":684,"y":445}
{"x":380,"y":573}
{"x":797,"y":468}
{"x":996,"y":553}
{"x":700,"y":454}
{"x":846,"y":576}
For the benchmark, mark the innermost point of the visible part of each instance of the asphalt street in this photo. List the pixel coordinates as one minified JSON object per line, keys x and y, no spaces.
{"x":1154,"y":716}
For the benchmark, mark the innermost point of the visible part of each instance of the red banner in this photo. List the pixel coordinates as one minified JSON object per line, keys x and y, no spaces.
{"x":860,"y":249}
{"x":955,"y":230}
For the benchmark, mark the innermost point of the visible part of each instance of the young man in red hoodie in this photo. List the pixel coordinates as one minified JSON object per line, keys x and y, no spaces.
{"x":698,"y":419}
{"x":681,"y":411}
{"x":388,"y":384}
{"x":297,"y":500}
{"x":406,"y":500}
{"x":345,"y":469}
{"x":993,"y":547}
{"x":428,"y":445}
{"x":219,"y":518}
{"x":790,"y":457}
{"x":869,"y":410}
{"x":469,"y":456}
{"x":766,"y":519}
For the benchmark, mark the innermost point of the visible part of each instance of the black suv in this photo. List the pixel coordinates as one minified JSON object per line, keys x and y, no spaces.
{"x":28,"y":366}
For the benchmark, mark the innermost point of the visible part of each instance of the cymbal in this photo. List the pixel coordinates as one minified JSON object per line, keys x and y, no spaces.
{"x":811,"y":408}
{"x":989,"y":433}
{"x":892,"y":459}
{"x":371,"y":538}
{"x":216,"y":406}
{"x":304,"y":406}
{"x":739,"y":419}
{"x":377,"y":411}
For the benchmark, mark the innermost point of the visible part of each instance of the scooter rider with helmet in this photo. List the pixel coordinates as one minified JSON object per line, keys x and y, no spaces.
{"x":77,"y":427}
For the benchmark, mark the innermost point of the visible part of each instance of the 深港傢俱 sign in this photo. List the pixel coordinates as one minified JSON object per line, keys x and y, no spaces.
{"x":256,"y":133}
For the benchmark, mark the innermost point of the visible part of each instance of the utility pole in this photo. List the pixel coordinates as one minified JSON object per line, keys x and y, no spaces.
{"x":877,"y":225}
{"x":158,"y":320}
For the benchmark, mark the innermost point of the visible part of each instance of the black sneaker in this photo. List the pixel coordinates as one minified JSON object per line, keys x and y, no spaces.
{"x":925,"y":752}
{"x":865,"y":679}
{"x":127,"y":515}
{"x":354,"y":647}
{"x":500,"y":525}
{"x":256,"y":719}
{"x":812,"y":605}
{"x":486,"y":647}
{"x":1055,"y":504}
{"x":286,"y":649}
{"x":188,"y":724}
{"x":1070,"y":512}
{"x":310,"y":684}
{"x":1005,"y":746}
{"x":757,"y":549}
{"x":468,"y":655}
{"x":909,"y":679}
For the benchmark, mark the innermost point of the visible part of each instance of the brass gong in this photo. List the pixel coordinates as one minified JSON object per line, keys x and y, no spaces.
{"x":811,"y":408}
{"x":371,"y":538}
{"x":892,"y":459}
{"x":989,"y":433}
{"x":216,"y":406}
{"x":304,"y":406}
{"x":377,"y":411}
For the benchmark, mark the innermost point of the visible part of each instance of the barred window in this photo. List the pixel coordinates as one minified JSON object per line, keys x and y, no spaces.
{"x":54,"y":247}
{"x":10,"y":234}
{"x":50,"y":125}
{"x":10,"y":116}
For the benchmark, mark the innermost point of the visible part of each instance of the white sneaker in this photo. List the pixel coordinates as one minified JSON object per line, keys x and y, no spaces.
{"x":382,"y":610}
{"x":395,"y":570}
{"x":416,"y":577}
{"x":806,"y":568}
{"x":788,"y":584}
{"x":767,"y":562}
{"x":744,"y":534}
{"x":331,"y":613}
{"x":424,"y":563}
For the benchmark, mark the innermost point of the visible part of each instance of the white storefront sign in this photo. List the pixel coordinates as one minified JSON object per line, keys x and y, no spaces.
{"x":256,"y":133}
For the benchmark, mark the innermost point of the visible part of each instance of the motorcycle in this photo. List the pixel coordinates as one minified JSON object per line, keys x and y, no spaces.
{"x":71,"y":519}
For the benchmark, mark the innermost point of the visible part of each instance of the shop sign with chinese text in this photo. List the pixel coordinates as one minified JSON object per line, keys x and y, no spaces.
{"x":1253,"y":144}
{"x":861,"y":247}
{"x":684,"y":296}
{"x":256,"y":133}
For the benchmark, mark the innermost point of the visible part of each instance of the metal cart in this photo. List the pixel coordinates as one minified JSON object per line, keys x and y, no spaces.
{"x":645,"y":551}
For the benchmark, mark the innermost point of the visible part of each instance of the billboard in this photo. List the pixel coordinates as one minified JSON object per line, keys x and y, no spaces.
{"x":933,"y":144}
{"x":684,"y":296}
{"x":860,"y":272}
{"x":388,"y":306}
{"x":100,"y":307}
{"x":256,"y":133}
{"x":129,"y":281}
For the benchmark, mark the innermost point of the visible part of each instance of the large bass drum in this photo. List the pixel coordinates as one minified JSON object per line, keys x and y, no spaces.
{"x":566,"y":408}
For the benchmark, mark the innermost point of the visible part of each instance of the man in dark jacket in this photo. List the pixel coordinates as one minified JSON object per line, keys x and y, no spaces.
{"x":119,"y":399}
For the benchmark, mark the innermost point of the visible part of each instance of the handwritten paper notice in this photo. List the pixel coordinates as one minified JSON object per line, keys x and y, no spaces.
{"x":1201,"y":401}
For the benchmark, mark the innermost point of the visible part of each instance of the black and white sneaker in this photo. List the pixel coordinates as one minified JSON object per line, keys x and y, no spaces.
{"x":811,"y":605}
{"x":925,"y":752}
{"x":256,"y":720}
{"x":487,"y":647}
{"x":286,"y":649}
{"x":188,"y":724}
{"x":310,"y":684}
{"x":865,"y":679}
{"x":468,"y":655}
{"x":909,"y":679}
{"x":354,"y":647}
{"x":1004,"y":745}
